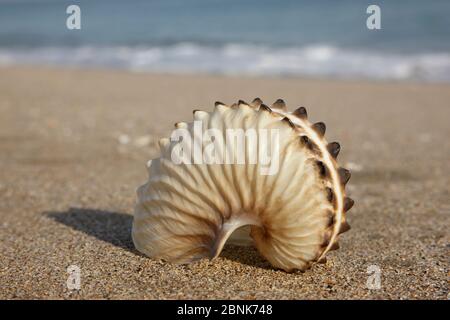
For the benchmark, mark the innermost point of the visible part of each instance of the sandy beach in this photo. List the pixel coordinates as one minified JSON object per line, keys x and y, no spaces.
{"x":73,"y":149}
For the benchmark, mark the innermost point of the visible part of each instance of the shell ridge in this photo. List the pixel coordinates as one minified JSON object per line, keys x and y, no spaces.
{"x":338,"y":190}
{"x":186,"y":212}
{"x":193,"y":189}
{"x":275,"y":182}
{"x":180,"y":193}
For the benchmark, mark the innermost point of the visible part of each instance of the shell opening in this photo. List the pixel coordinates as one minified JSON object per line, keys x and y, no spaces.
{"x":237,"y":224}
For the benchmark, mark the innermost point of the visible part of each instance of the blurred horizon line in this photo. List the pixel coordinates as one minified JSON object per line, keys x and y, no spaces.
{"x":316,"y":60}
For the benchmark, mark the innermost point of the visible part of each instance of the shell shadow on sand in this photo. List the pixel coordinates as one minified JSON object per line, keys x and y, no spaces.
{"x":115,"y":228}
{"x":111,"y":227}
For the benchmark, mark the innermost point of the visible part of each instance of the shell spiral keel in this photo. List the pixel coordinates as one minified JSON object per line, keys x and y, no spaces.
{"x":279,"y":181}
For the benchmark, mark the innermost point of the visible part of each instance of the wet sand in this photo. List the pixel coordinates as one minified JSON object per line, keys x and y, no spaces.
{"x":73,"y":148}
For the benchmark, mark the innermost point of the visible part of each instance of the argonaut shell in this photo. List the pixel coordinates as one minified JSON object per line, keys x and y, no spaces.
{"x":186,"y":212}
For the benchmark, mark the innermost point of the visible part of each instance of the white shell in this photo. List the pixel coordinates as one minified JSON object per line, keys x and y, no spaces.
{"x":186,"y":212}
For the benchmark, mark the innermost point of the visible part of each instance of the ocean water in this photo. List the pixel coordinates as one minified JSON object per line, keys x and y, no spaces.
{"x":324,"y":38}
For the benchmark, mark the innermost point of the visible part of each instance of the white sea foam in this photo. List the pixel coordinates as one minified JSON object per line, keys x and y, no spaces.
{"x":237,"y":59}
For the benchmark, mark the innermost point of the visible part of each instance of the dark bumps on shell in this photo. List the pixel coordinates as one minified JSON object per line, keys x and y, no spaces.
{"x":304,"y":140}
{"x":334,"y":246}
{"x":334,"y":148}
{"x":344,"y":227}
{"x":344,"y":175}
{"x":243,"y":102}
{"x":330,"y":195}
{"x":300,"y":113}
{"x":289,"y":122}
{"x":263,"y":107}
{"x":322,"y":260}
{"x":322,"y":168}
{"x":279,"y":104}
{"x":320,"y":128}
{"x":218,"y":103}
{"x":257,"y":102}
{"x":348,"y":203}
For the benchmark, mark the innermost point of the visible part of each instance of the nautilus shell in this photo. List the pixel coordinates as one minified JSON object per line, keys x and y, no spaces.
{"x":291,"y":208}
